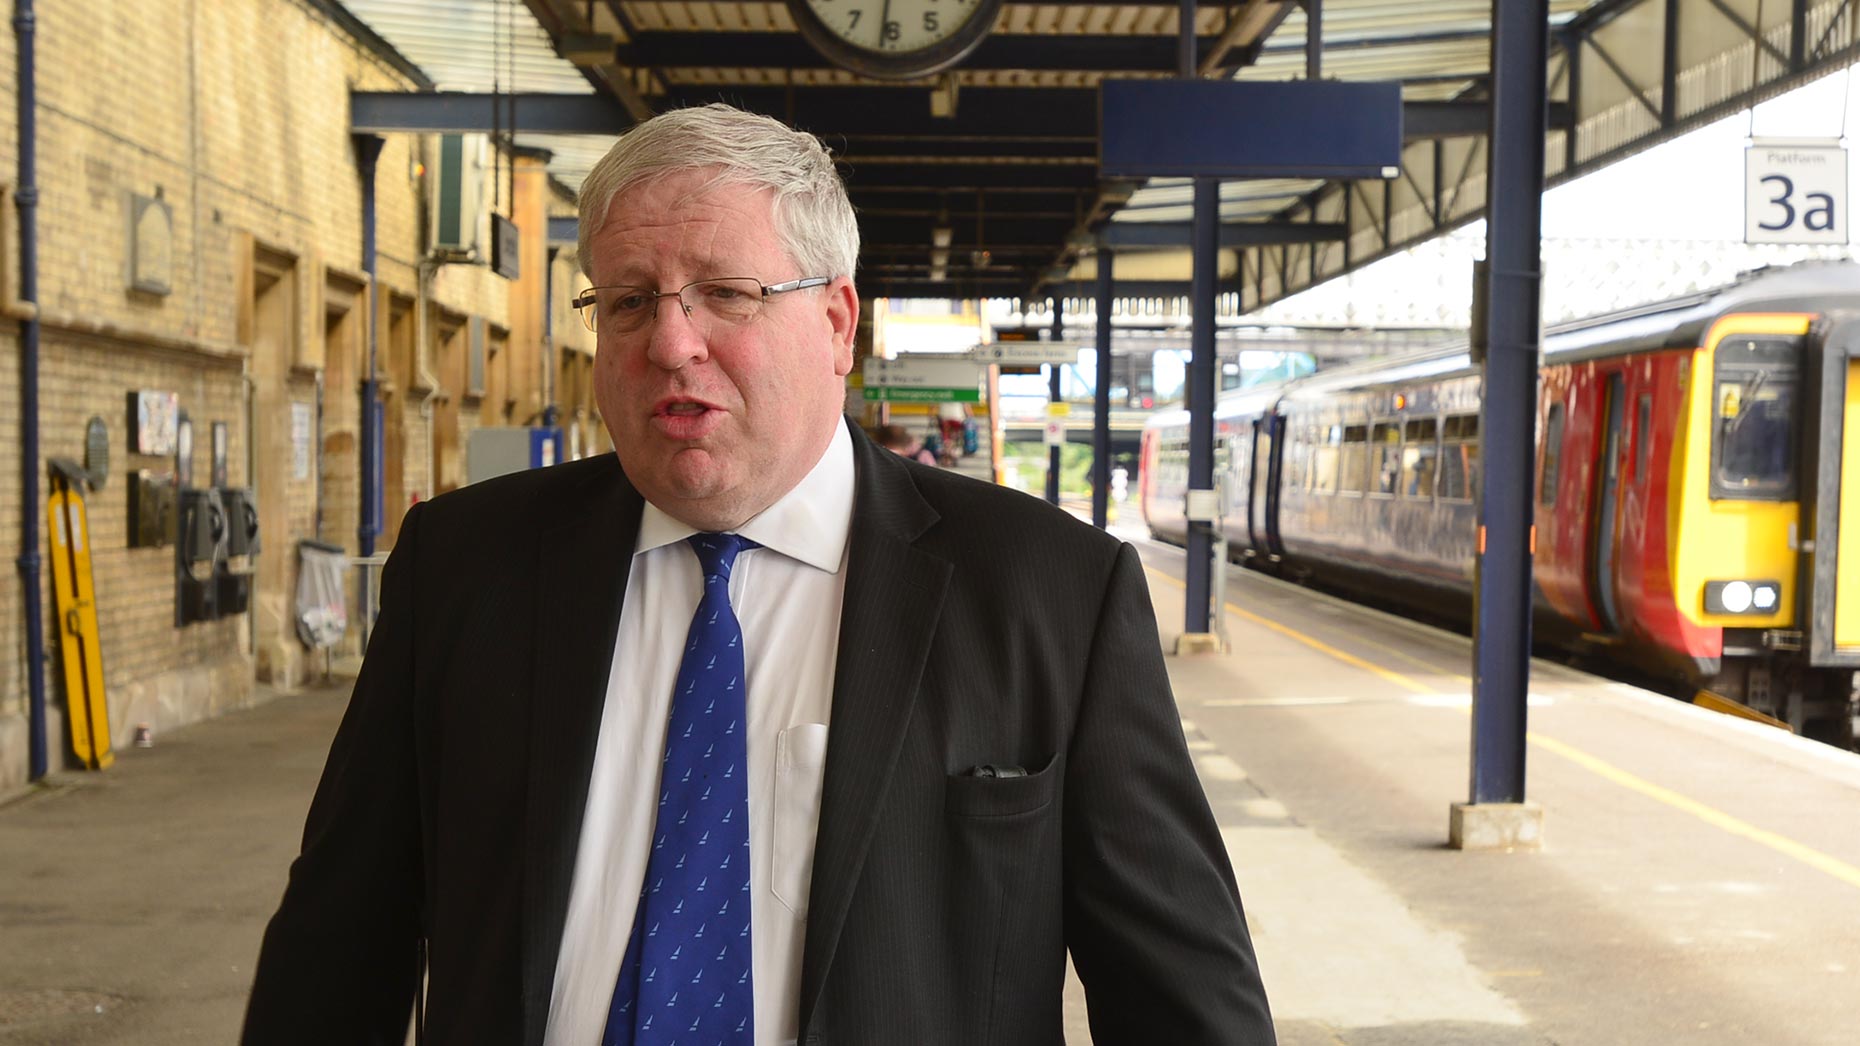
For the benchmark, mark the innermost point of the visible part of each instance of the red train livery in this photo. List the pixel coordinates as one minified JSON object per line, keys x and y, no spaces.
{"x":1697,"y":468}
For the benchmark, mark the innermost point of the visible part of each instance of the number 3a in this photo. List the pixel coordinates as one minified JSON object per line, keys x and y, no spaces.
{"x":1819,"y":219}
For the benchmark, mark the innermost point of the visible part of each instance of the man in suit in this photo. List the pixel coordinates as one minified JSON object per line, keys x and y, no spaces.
{"x":957,"y":757}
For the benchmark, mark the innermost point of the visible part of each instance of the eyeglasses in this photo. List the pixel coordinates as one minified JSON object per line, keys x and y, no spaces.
{"x":732,"y":302}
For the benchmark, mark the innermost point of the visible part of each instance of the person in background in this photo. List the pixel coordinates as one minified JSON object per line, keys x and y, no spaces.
{"x":951,"y":419}
{"x":915,"y":745}
{"x":898,"y":440}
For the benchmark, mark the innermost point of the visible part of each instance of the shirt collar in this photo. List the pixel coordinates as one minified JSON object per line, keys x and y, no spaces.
{"x":810,"y":523}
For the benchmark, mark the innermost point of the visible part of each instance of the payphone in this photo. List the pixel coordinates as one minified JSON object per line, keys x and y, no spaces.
{"x":232,"y":575}
{"x":200,"y":546}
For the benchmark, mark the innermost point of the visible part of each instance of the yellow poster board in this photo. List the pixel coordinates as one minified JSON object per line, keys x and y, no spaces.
{"x":75,"y":600}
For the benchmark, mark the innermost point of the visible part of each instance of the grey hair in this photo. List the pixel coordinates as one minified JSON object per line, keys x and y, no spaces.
{"x":812,"y":215}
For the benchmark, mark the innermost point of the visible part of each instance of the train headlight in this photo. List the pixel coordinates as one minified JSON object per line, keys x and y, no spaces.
{"x":1758,"y":598}
{"x":1735,"y":596}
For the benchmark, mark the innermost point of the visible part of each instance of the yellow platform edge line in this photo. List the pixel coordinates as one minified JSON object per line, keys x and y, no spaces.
{"x":1316,"y":644}
{"x":1815,"y":859}
{"x":1833,"y":866}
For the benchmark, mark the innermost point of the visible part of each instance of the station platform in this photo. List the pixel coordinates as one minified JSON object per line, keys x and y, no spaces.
{"x":1699,"y":880}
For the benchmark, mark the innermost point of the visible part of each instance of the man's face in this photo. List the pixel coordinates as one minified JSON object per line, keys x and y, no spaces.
{"x":715,"y":427}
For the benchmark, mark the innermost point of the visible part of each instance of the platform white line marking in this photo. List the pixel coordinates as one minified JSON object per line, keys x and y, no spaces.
{"x":1220,"y":768}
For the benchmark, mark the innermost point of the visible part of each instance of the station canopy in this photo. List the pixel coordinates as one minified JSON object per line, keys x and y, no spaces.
{"x":983,"y":181}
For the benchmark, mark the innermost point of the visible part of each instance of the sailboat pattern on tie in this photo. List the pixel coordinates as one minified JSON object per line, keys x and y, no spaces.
{"x":691,"y":852}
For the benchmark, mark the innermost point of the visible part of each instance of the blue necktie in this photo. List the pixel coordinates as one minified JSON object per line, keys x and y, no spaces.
{"x":686,"y":974}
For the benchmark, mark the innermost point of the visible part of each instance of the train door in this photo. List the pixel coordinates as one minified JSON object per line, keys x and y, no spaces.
{"x":1605,"y":534}
{"x":1275,"y":478}
{"x":1831,"y":502}
{"x":1260,"y":497}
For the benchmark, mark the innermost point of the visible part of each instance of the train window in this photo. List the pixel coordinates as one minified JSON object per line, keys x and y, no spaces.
{"x":1553,"y":454}
{"x":1418,"y":458}
{"x":1459,"y":457}
{"x":1386,"y":456}
{"x":1643,"y":438}
{"x":1354,"y":461}
{"x":1324,"y":461}
{"x":1754,"y":418}
{"x":1293,"y":477}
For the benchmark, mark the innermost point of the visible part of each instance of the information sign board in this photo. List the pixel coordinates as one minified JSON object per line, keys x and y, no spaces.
{"x":1795,"y":191}
{"x":1027,"y":352}
{"x":923,"y":379}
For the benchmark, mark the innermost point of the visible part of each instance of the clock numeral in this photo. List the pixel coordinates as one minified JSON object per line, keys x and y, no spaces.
{"x":929,"y":21}
{"x":893,"y":31}
{"x":854,"y":24}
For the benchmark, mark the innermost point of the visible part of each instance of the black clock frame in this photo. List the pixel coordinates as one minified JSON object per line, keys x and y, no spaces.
{"x":896,"y":65}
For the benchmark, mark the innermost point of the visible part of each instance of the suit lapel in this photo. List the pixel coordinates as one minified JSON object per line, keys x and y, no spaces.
{"x":581,"y":577}
{"x":894,"y":593}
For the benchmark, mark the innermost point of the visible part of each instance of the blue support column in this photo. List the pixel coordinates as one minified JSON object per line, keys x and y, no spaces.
{"x":367,"y":151}
{"x":1201,"y":384}
{"x":1314,"y":42}
{"x":1053,"y":396}
{"x":1101,"y":401}
{"x":26,"y":198}
{"x":1512,"y":338}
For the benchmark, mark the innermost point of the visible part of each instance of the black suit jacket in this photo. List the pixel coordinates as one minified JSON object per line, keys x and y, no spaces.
{"x":980,"y":626}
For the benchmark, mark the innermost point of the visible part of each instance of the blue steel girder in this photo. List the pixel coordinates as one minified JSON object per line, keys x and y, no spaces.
{"x":1054,"y":121}
{"x":1799,"y":41}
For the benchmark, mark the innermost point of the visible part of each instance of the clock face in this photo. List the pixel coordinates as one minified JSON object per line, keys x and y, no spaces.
{"x":895,"y":39}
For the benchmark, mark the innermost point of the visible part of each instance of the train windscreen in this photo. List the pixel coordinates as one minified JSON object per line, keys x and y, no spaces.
{"x":1755,"y":436}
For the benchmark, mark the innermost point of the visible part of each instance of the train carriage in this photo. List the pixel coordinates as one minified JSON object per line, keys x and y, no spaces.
{"x":1698,"y":462}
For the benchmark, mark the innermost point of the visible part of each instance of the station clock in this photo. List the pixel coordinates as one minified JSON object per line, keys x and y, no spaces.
{"x":894,"y":39}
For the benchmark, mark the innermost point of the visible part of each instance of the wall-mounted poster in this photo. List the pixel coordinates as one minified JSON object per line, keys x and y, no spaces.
{"x":219,"y":453}
{"x":152,"y":417}
{"x":184,"y":451}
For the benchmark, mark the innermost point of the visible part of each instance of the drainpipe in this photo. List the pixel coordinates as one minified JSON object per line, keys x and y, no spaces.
{"x":422,"y":273}
{"x":367,"y":151}
{"x":550,"y":414}
{"x":249,"y":387}
{"x":27,"y":197}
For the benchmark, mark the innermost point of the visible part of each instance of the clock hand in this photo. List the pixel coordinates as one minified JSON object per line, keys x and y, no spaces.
{"x":884,"y":22}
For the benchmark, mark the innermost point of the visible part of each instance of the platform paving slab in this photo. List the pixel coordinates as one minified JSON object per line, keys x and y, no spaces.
{"x":132,"y":901}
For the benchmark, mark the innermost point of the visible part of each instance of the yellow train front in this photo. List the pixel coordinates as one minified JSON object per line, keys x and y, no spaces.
{"x":1681,"y":481}
{"x":1698,"y":465}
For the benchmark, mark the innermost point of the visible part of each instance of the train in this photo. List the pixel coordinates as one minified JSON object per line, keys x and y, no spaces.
{"x":1697,"y":479}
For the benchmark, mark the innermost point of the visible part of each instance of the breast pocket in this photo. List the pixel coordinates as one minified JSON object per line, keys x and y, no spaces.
{"x":800,"y":762}
{"x":965,"y":795}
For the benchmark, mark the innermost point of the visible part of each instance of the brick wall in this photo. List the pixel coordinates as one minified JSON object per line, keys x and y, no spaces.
{"x":233,"y":117}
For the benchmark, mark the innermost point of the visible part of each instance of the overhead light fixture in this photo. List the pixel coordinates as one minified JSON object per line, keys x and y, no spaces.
{"x":585,"y":49}
{"x":940,"y":237}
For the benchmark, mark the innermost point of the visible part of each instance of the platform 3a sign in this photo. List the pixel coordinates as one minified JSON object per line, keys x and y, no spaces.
{"x":1795,"y":191}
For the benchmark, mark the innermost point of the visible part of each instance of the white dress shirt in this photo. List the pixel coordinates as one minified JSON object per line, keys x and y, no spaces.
{"x":787,"y":596}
